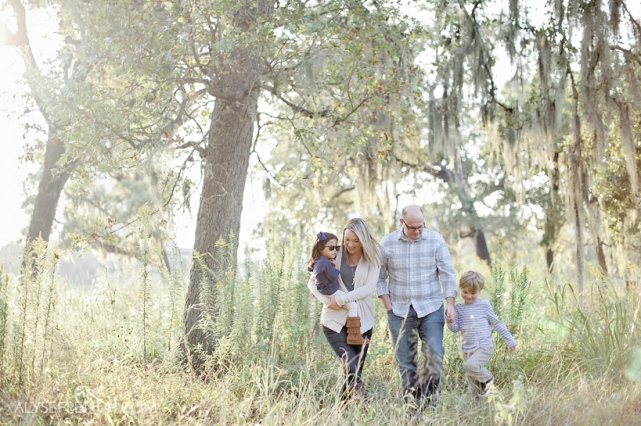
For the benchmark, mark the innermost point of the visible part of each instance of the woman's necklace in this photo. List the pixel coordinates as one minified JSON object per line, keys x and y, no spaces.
{"x":353,"y":269}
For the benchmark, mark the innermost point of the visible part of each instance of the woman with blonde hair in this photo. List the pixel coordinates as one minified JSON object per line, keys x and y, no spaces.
{"x":359,"y":262}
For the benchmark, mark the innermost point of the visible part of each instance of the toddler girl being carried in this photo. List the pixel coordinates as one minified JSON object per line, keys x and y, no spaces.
{"x":323,"y":264}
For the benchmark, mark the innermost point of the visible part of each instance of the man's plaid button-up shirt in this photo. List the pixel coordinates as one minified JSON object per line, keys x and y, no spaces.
{"x":416,"y":272}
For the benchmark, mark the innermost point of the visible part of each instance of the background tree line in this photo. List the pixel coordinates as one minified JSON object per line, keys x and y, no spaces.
{"x":345,"y":104}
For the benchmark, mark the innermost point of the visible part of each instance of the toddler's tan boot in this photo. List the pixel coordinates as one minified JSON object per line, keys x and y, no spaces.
{"x":354,"y":336}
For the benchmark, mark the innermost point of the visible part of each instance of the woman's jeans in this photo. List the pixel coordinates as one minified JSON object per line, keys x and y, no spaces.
{"x":353,"y":356}
{"x":418,"y":380}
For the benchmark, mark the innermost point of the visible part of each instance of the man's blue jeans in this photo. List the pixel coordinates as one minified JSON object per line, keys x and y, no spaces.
{"x":419,"y":380}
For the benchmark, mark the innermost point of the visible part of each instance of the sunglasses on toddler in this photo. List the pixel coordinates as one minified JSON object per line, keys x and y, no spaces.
{"x":334,"y":248}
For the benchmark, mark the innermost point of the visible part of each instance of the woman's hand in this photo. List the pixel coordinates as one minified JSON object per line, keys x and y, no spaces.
{"x":332,"y":303}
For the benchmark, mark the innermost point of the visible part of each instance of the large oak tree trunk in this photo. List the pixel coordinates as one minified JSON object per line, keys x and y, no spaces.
{"x":49,"y":190}
{"x":226,"y":159}
{"x":221,"y":204}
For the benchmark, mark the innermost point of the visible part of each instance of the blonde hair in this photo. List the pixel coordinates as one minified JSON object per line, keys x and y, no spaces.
{"x":472,"y":280}
{"x":371,"y":247}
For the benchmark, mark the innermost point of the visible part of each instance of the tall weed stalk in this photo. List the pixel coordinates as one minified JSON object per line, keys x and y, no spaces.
{"x":272,"y":277}
{"x":49,"y":307}
{"x":228,"y":314}
{"x":297,"y":310}
{"x":215,"y":298}
{"x":284,"y":300}
{"x":510,"y":309}
{"x":602,"y":333}
{"x":145,"y":288}
{"x":520,"y":289}
{"x":32,"y":323}
{"x":175,"y":277}
{"x":266,"y":312}
{"x":498,"y":289}
{"x":4,"y":312}
{"x":206,"y":300}
{"x":238,"y":338}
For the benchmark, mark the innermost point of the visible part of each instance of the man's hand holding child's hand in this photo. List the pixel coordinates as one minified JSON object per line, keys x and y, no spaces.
{"x":449,"y":317}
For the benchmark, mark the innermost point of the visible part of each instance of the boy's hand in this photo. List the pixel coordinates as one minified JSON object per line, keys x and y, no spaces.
{"x":450,"y":311}
{"x":449,"y":318}
{"x":512,"y":348}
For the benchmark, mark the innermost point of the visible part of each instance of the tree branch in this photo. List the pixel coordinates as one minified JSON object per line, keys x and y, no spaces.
{"x":299,"y":109}
{"x":634,"y":22}
{"x":341,"y":192}
{"x":196,"y":146}
{"x":180,"y":173}
{"x":21,"y":39}
{"x":341,"y":120}
{"x":627,"y":53}
{"x":438,"y":171}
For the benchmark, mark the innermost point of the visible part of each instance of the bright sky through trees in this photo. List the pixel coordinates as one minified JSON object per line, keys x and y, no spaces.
{"x":13,"y":171}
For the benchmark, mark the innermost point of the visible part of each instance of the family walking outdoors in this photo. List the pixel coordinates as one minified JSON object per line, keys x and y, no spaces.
{"x":411,"y":272}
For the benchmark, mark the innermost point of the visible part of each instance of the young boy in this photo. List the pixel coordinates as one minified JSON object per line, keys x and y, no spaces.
{"x":475,"y":319}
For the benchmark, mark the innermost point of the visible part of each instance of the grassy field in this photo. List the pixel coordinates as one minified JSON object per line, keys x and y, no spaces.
{"x":107,"y":352}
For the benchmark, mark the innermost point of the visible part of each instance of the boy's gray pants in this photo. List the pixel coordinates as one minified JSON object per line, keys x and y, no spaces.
{"x":475,"y":370}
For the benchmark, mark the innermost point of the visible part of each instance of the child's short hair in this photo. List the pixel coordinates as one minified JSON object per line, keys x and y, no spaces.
{"x":472,"y":281}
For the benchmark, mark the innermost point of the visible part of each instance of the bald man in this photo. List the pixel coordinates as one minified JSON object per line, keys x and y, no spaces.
{"x":416,"y":275}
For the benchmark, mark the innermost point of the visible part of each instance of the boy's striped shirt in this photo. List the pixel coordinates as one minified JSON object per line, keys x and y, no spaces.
{"x":475,"y":321}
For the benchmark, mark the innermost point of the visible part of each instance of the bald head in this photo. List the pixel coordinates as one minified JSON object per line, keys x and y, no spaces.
{"x":413,"y":222}
{"x":412,"y":212}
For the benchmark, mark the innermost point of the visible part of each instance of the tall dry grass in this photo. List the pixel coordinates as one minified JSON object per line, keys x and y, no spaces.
{"x":108,"y":353}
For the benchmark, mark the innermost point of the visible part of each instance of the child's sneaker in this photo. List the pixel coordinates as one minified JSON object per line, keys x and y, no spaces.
{"x":487,"y":388}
